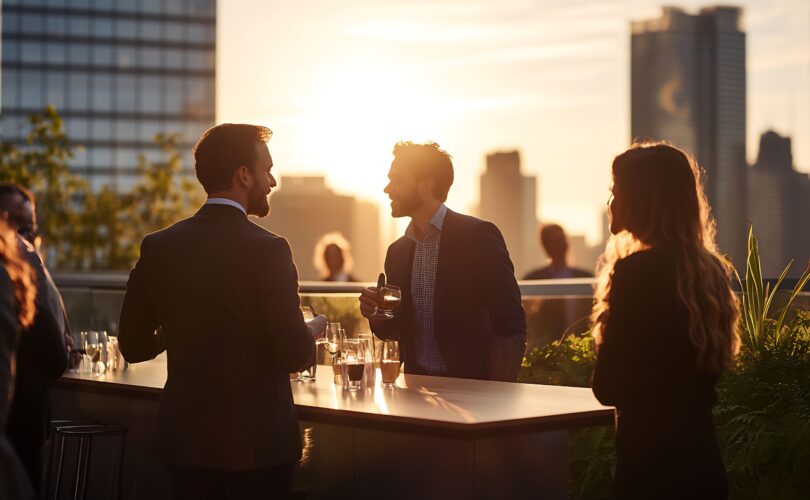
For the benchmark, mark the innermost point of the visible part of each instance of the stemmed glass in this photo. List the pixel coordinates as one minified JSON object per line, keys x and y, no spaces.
{"x":388,"y":298}
{"x":93,"y":343}
{"x":390,"y":363}
{"x":333,"y":343}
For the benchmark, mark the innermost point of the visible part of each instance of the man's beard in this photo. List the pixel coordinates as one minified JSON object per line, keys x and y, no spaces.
{"x":406,"y":205}
{"x":257,"y":203}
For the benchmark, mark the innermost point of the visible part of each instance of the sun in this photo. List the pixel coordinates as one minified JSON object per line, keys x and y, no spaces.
{"x":356,"y":113}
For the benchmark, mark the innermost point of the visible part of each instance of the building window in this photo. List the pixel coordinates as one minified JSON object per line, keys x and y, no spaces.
{"x":150,"y":30}
{"x":126,"y":5}
{"x":78,"y":26}
{"x":78,"y":91}
{"x":10,"y":94}
{"x":78,"y":129}
{"x":102,"y":55}
{"x":173,"y":58}
{"x":101,"y":129}
{"x":152,"y":6}
{"x":55,"y":24}
{"x":9,"y":51}
{"x":125,"y":28}
{"x":148,"y":130}
{"x":32,"y":24}
{"x":102,"y":86}
{"x":125,"y":131}
{"x":31,"y":88}
{"x":126,"y":95}
{"x":79,"y":53}
{"x":105,"y":5}
{"x":103,"y":27}
{"x":125,"y":57}
{"x":150,"y":58}
{"x":55,"y":53}
{"x":10,"y":20}
{"x":174,"y":32}
{"x":150,"y":93}
{"x":174,"y":7}
{"x":31,"y":53}
{"x":55,"y":89}
{"x":174,"y":96}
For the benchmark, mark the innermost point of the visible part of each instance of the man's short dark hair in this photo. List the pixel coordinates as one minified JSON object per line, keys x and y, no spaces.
{"x":8,"y":190}
{"x":551,"y":236}
{"x":427,"y":160}
{"x":223,"y":149}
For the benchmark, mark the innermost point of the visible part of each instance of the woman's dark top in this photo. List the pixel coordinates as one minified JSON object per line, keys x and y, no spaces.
{"x":646,"y":367}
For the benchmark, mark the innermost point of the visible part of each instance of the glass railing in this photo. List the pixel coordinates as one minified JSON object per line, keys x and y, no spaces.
{"x":553,"y":307}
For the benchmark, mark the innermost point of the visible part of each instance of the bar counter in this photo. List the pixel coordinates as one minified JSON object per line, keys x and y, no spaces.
{"x":431,"y":437}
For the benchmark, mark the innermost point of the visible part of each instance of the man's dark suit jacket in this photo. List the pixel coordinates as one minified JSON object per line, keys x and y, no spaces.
{"x":41,"y":359}
{"x":223,"y":294}
{"x":479,"y":321}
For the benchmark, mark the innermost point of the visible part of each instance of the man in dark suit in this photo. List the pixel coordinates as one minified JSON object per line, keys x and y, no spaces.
{"x":220,"y":295}
{"x":461,"y":314}
{"x":41,"y":355}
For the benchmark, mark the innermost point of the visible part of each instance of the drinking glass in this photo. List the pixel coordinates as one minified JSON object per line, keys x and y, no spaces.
{"x":308,"y":374}
{"x":367,"y":346}
{"x":308,"y":313}
{"x":352,"y":365}
{"x":94,"y":342}
{"x":388,"y":298}
{"x":390,"y":363}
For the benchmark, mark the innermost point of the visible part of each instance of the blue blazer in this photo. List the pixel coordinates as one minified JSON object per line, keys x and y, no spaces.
{"x":479,"y":322}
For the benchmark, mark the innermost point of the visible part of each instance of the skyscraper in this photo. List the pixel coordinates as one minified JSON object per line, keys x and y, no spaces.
{"x":118,"y":71}
{"x":688,"y":86}
{"x":304,"y":209}
{"x":509,"y":200}
{"x":779,"y":203}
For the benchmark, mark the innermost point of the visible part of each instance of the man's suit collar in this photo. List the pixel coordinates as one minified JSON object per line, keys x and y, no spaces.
{"x":220,"y":211}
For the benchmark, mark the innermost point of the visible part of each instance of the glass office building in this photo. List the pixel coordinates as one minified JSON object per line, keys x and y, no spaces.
{"x":118,"y":71}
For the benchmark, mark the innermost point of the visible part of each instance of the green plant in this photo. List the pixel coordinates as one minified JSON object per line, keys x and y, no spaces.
{"x":763,"y":411}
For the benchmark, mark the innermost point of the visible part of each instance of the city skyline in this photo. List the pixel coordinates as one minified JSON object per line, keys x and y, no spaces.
{"x":549,"y":81}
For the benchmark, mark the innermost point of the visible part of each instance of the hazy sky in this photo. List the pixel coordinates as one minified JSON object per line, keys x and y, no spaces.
{"x":340,"y":82}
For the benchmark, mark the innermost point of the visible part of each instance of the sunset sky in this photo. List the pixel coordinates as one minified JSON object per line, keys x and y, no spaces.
{"x":340,"y":82}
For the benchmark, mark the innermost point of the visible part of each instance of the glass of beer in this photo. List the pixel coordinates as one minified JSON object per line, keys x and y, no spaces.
{"x":353,"y":364}
{"x":388,"y":298}
{"x":390,"y":363}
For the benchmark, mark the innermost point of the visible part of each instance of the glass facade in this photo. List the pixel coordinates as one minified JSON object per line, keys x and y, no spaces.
{"x":118,"y":71}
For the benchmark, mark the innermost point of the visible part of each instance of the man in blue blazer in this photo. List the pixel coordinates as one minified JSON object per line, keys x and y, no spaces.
{"x":461,"y":314}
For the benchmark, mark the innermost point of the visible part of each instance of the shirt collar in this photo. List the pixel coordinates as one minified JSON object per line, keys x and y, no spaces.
{"x":437,"y":221}
{"x":226,"y":201}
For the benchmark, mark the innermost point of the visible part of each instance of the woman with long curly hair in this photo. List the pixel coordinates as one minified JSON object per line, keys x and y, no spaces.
{"x":665,"y":324}
{"x":17,"y":295}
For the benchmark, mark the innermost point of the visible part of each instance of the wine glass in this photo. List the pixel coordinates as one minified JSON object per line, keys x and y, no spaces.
{"x":93,"y":344}
{"x":390,"y":363}
{"x":335,"y":335}
{"x":388,"y":298}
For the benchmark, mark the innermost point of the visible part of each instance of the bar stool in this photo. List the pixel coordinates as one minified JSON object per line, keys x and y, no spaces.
{"x":84,"y":433}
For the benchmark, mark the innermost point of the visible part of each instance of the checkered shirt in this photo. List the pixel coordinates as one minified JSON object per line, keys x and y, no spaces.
{"x":423,"y":291}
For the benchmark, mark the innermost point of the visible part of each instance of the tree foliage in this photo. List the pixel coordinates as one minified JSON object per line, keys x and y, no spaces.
{"x":85,"y":229}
